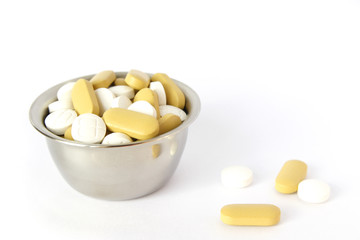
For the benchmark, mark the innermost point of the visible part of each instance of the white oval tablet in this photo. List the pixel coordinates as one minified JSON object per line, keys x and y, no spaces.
{"x":143,"y":107}
{"x":88,"y":128}
{"x":116,"y":139}
{"x":64,"y":93}
{"x":121,"y":102}
{"x":160,"y":91}
{"x":122,"y":90}
{"x":57,"y":122}
{"x":236,"y":177}
{"x":313,"y":191}
{"x":165,"y":109}
{"x":105,"y":98}
{"x":57,"y":105}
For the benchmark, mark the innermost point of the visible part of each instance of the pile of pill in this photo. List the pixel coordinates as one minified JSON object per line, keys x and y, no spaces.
{"x":290,"y":179}
{"x":110,"y":110}
{"x":237,"y":177}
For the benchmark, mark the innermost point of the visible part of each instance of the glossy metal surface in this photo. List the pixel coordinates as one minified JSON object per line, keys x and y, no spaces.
{"x":116,"y":172}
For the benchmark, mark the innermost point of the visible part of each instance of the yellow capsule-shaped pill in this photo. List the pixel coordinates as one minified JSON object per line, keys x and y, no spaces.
{"x":103,"y":79}
{"x":120,"y":81}
{"x":83,"y":98}
{"x":290,"y":175}
{"x":137,"y":79}
{"x":67,"y":134}
{"x":174,"y":95}
{"x":146,"y":94}
{"x":250,"y":214}
{"x":168,"y":122}
{"x":135,"y":124}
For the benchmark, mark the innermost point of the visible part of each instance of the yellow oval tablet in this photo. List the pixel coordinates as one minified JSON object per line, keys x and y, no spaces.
{"x":84,"y":98}
{"x":146,"y":94}
{"x":103,"y":79}
{"x":250,"y":214}
{"x":174,"y":96}
{"x":67,"y":134}
{"x":120,"y":81}
{"x":168,"y":122}
{"x":135,"y":124}
{"x":137,"y":79}
{"x":290,"y":175}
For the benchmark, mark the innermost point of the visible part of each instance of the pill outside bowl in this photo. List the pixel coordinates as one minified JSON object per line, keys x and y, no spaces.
{"x":116,"y":172}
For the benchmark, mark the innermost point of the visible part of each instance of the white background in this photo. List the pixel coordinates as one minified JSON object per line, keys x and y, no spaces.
{"x":278,"y":80}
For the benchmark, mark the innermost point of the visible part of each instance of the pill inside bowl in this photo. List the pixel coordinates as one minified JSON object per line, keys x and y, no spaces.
{"x":112,"y":110}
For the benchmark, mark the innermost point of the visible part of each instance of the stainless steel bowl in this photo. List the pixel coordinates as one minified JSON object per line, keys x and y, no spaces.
{"x":116,"y":172}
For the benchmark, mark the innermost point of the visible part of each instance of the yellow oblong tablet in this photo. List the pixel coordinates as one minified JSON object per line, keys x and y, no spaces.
{"x":83,"y":97}
{"x":290,"y":175}
{"x":137,"y":79}
{"x":168,"y":122}
{"x":120,"y":81}
{"x":135,"y":124}
{"x":174,"y":95}
{"x":103,"y":79}
{"x":146,"y":94}
{"x":250,"y":214}
{"x":67,"y":134}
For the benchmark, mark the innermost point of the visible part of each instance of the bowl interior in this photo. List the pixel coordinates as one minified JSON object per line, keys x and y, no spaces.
{"x":39,"y":110}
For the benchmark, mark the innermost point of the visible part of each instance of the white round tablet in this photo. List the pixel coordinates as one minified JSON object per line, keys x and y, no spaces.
{"x":160,"y":91}
{"x":313,"y":191}
{"x":123,"y":90}
{"x":104,"y":97}
{"x":143,"y":107}
{"x":58,"y":121}
{"x":88,"y":128}
{"x":236,"y":177}
{"x":121,"y":102}
{"x":116,"y":139}
{"x":165,"y":109}
{"x":64,"y":92}
{"x":57,"y":105}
